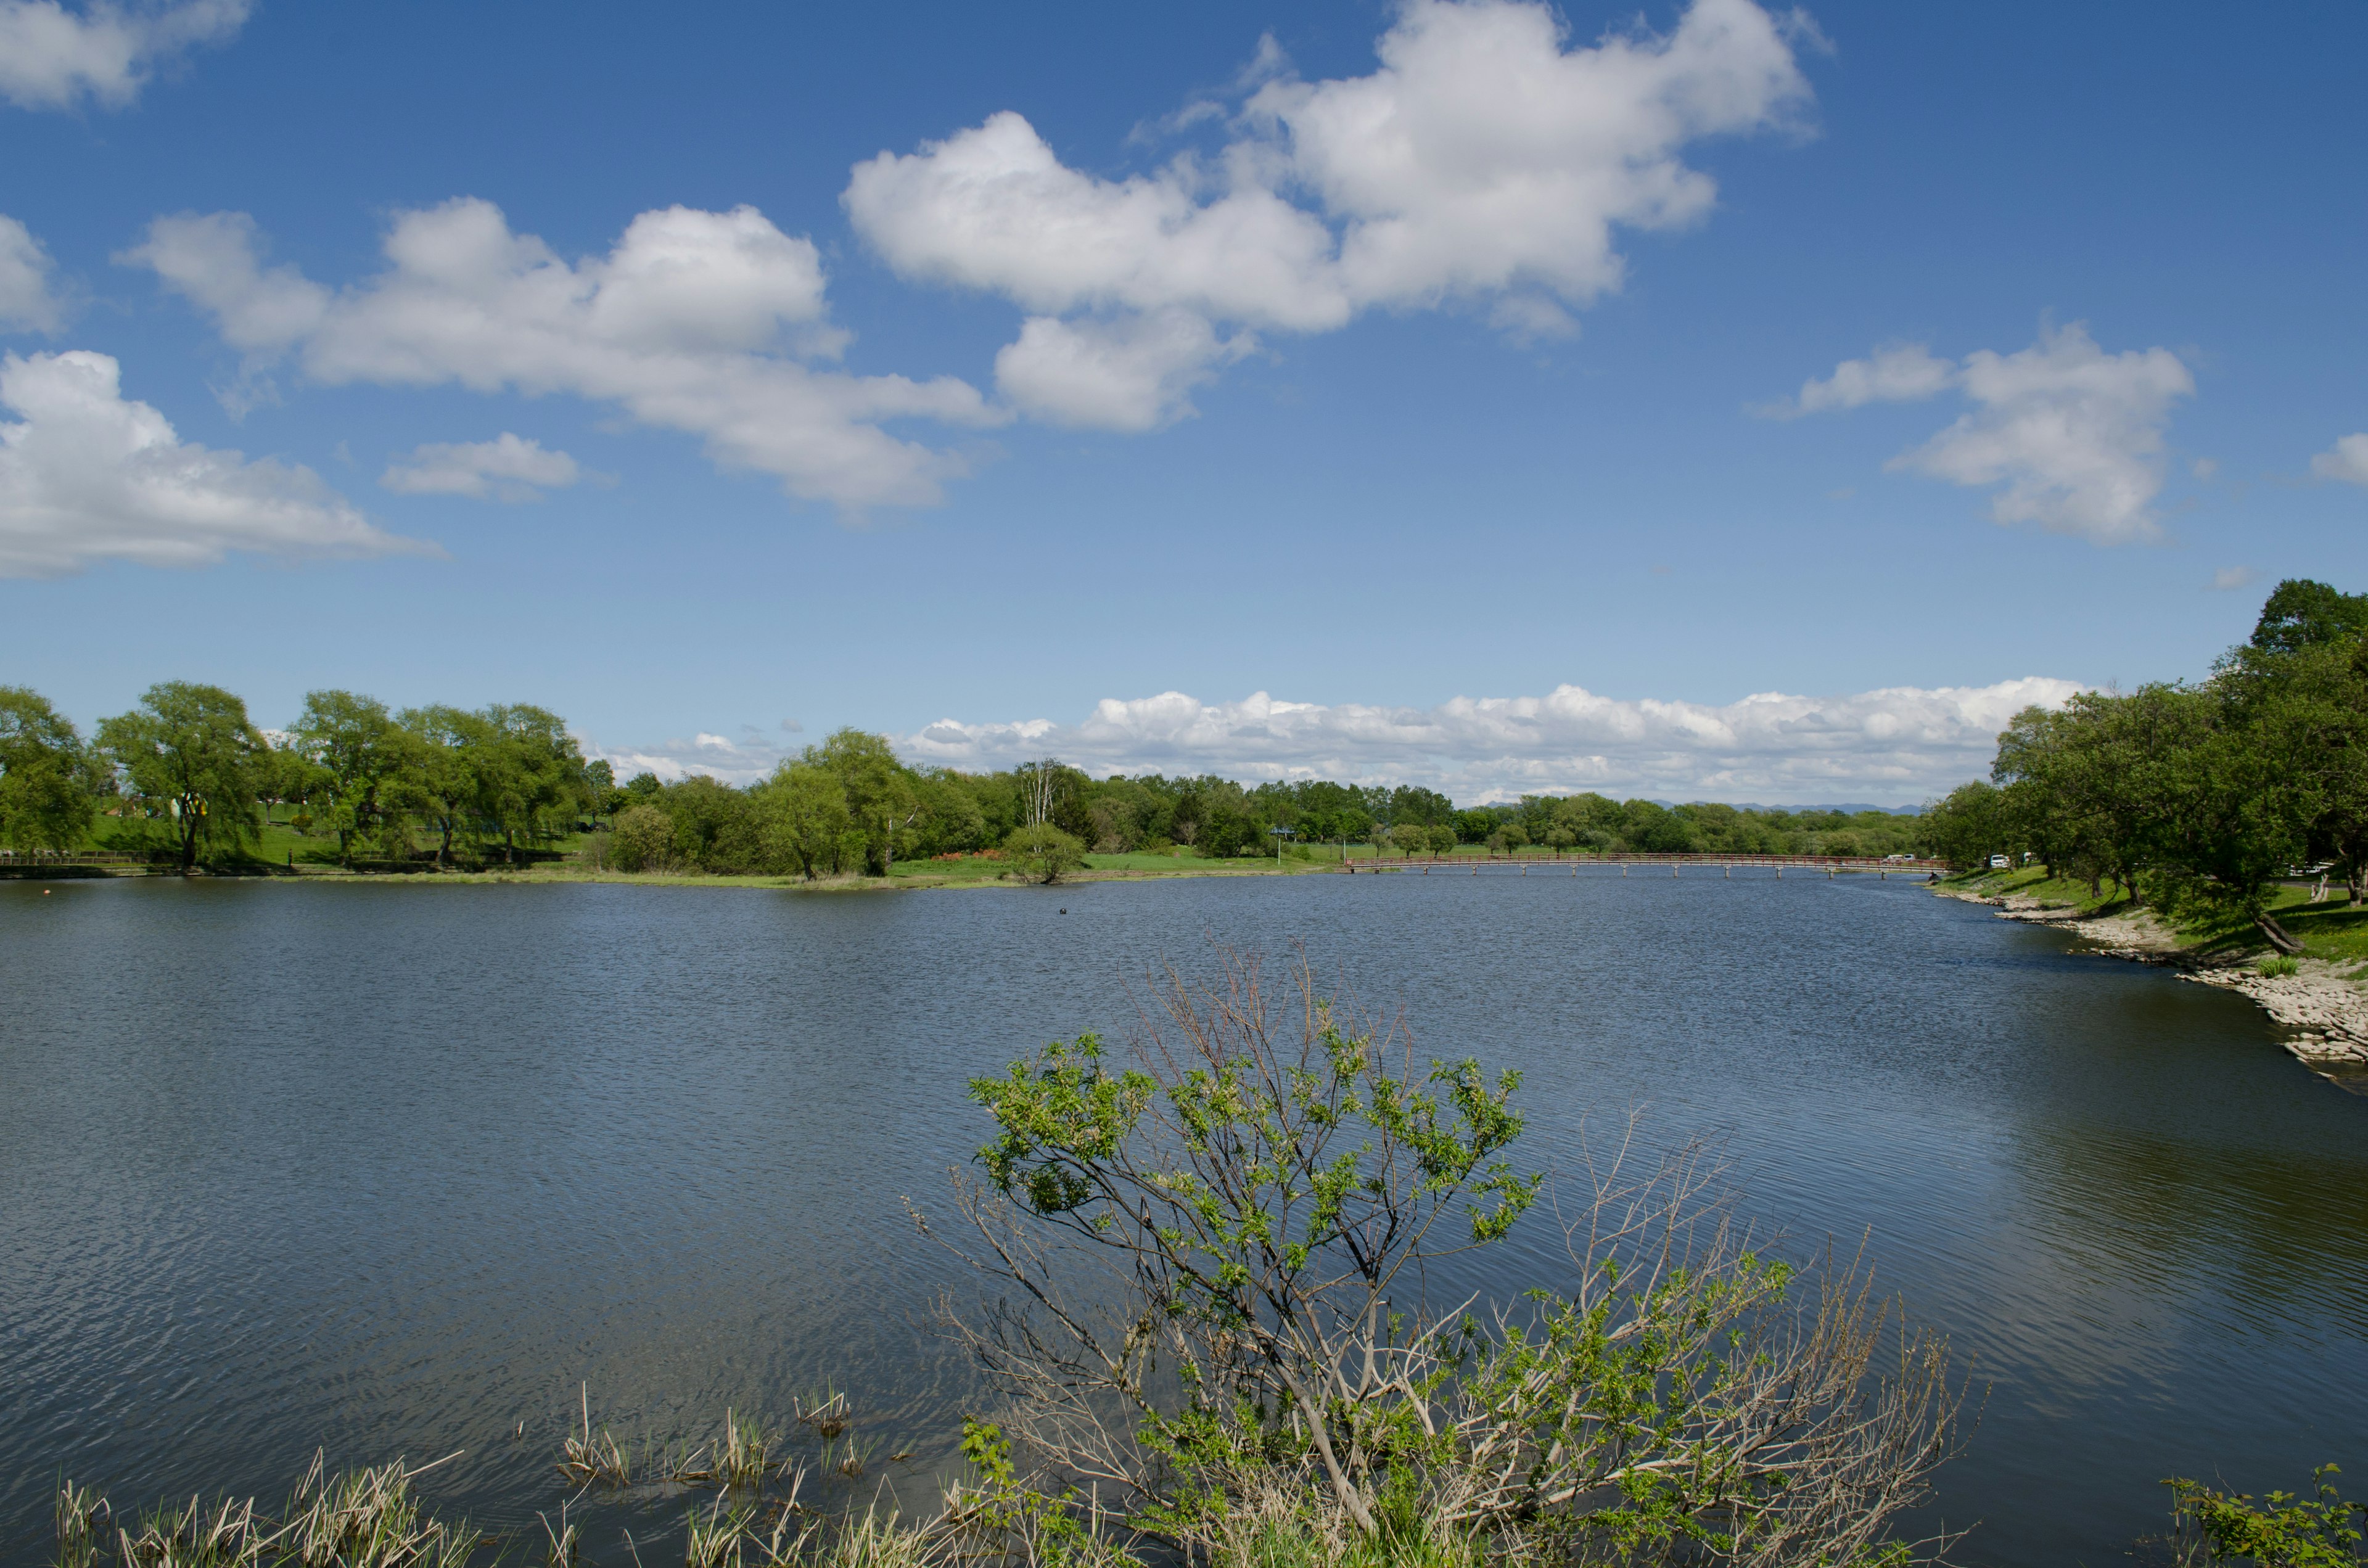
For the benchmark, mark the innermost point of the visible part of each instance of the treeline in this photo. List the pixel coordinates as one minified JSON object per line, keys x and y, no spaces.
{"x":849,"y":805}
{"x":187,"y":773}
{"x":2194,"y":797}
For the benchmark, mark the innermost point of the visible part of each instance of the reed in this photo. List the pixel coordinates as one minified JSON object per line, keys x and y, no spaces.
{"x":590,"y":1460}
{"x":357,"y":1518}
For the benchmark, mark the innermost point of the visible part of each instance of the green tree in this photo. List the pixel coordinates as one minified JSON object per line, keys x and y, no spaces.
{"x":806,"y":823}
{"x":2301,"y":614}
{"x":530,"y":782}
{"x":191,"y":752}
{"x":881,"y":800}
{"x":365,"y":754}
{"x":716,"y":827}
{"x":1966,"y":826}
{"x":48,"y":779}
{"x":641,"y":839}
{"x":450,"y":780}
{"x":1043,"y":851}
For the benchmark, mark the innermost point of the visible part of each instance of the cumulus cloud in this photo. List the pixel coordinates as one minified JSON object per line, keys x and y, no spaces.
{"x":1898,"y":372}
{"x":28,"y":303}
{"x":2073,"y":434}
{"x":1901,"y":743}
{"x":1127,"y":374}
{"x":707,"y":322}
{"x":1483,"y":162}
{"x":2346,"y":460}
{"x":507,"y":468}
{"x":54,"y":58}
{"x":742,"y":761}
{"x":2228,"y":579}
{"x":88,"y":476}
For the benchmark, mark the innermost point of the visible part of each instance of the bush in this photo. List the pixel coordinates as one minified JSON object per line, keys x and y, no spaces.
{"x":640,"y":839}
{"x":1255,"y":1196}
{"x":2278,"y":967}
{"x":1043,"y":851}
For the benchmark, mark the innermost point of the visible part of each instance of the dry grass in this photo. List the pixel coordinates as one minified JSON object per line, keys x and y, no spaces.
{"x":594,"y":1461}
{"x":357,"y":1518}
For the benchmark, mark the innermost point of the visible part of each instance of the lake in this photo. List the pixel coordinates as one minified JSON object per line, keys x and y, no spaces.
{"x":390,"y":1169}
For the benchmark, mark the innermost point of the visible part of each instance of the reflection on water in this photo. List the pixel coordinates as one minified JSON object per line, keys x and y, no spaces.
{"x":388,"y":1169}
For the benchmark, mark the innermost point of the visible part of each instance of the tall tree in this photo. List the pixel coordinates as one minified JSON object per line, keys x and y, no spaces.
{"x":2300,"y":613}
{"x":365,"y":754}
{"x":48,"y":779}
{"x":532,"y":782}
{"x":191,"y":751}
{"x":805,"y":817}
{"x":880,"y":799}
{"x":447,"y":783}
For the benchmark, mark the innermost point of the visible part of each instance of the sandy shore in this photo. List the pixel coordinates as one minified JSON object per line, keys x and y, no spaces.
{"x":2321,"y":1008}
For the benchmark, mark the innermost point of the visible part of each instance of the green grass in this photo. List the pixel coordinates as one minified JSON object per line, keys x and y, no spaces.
{"x":2333,"y":931}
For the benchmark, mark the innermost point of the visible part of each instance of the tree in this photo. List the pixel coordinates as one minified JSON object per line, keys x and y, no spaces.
{"x":48,"y":779}
{"x":1967,"y":827}
{"x":879,"y":791}
{"x":716,"y":827}
{"x":640,"y":838}
{"x":531,"y":782}
{"x":1044,"y":851}
{"x":364,"y":753}
{"x":806,"y":823}
{"x":2301,"y":614}
{"x":1211,"y":1260}
{"x":191,"y":752}
{"x":453,"y":765}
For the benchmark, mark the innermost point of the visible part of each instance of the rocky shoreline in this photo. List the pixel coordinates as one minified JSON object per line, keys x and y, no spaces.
{"x":2321,"y":1008}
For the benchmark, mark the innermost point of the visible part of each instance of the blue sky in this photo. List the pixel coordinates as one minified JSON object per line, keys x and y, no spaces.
{"x":1477,"y":395}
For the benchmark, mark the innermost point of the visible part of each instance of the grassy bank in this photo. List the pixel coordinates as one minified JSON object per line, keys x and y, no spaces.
{"x":2332,"y":931}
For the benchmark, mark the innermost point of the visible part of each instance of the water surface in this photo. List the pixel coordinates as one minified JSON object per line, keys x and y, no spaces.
{"x":390,"y":1169}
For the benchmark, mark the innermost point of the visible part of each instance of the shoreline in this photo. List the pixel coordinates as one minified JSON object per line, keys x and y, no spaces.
{"x":2321,"y":1008}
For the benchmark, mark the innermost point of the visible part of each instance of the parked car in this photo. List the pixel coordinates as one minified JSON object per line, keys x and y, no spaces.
{"x":2000,"y":862}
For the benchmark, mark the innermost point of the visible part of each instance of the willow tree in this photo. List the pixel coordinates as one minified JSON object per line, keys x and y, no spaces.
{"x":191,"y":752}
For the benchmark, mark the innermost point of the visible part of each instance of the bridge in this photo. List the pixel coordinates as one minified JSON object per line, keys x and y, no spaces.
{"x":1630,"y":863}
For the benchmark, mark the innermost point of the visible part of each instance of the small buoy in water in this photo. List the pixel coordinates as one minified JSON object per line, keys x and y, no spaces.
{"x":45,"y":893}
{"x":1065,"y":912}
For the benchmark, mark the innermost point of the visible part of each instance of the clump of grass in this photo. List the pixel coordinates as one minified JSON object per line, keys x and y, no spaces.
{"x":83,"y":1521}
{"x":590,"y":1460}
{"x":357,"y":1518}
{"x":742,"y":1456}
{"x":371,"y":1519}
{"x":726,"y":1535}
{"x":2277,"y":967}
{"x":827,"y":1419}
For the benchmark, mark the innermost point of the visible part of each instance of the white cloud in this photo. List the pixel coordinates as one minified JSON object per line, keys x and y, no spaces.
{"x":54,"y":58}
{"x":2073,"y":433}
{"x":1482,"y":162}
{"x":1897,"y":372}
{"x":700,"y":322}
{"x":2346,"y":460}
{"x":1900,"y":744}
{"x":508,"y":467}
{"x":744,"y":761}
{"x":26,"y":300}
{"x":89,"y":476}
{"x":1128,"y":374}
{"x":2228,"y":579}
